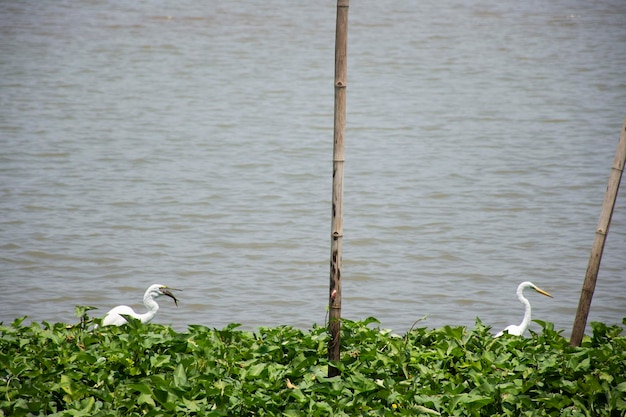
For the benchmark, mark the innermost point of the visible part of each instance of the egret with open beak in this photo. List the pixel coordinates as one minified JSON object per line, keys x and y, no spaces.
{"x":115,"y":316}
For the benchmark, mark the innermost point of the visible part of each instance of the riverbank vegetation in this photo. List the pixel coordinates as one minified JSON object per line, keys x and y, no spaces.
{"x":151,"y":370}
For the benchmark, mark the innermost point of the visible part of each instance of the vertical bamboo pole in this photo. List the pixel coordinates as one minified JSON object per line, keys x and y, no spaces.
{"x":334,"y":299}
{"x":593,"y":267}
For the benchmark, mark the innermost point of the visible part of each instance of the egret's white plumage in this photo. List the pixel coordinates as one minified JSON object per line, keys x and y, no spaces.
{"x":518,"y":330}
{"x":115,"y":315}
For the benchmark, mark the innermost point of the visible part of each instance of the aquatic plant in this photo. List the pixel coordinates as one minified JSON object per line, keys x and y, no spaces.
{"x":151,"y":370}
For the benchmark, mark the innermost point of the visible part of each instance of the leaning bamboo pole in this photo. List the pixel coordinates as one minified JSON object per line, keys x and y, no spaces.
{"x":602,"y":230}
{"x":334,"y":299}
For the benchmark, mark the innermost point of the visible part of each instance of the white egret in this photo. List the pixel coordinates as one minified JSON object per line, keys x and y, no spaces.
{"x":115,"y":315}
{"x":518,"y":330}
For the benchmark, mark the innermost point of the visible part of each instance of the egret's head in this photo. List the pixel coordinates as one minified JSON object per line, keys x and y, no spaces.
{"x":540,"y":291}
{"x":158,"y":290}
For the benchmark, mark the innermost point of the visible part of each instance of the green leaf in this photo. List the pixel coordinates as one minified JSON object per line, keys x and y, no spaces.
{"x":298,"y":395}
{"x":158,"y":361}
{"x":192,"y":406}
{"x":426,"y":410}
{"x":145,"y":399}
{"x":256,"y":369}
{"x":67,"y":385}
{"x":142,"y":388}
{"x":180,"y":376}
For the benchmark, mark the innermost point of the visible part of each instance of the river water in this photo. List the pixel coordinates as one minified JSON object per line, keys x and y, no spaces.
{"x":190,"y":144}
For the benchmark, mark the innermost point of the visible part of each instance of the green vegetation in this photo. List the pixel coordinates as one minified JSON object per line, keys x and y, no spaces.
{"x":151,"y":370}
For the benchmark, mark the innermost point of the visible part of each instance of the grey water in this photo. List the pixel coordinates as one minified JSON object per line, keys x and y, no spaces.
{"x":190,"y":144}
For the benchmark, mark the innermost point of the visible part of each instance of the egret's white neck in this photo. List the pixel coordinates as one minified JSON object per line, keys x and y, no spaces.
{"x":527,"y":312}
{"x":152,"y":307}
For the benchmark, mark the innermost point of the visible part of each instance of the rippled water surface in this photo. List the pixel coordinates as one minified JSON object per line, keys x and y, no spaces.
{"x":190,"y":144}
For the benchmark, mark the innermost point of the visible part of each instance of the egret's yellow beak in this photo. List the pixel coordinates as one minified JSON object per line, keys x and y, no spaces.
{"x":540,"y":291}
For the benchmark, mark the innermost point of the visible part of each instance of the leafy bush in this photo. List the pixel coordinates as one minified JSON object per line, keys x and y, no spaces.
{"x":151,"y":370}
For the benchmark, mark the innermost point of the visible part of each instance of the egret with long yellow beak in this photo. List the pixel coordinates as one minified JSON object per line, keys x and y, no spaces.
{"x":518,"y":330}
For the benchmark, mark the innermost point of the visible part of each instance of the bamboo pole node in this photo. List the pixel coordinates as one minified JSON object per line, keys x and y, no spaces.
{"x":340,"y":84}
